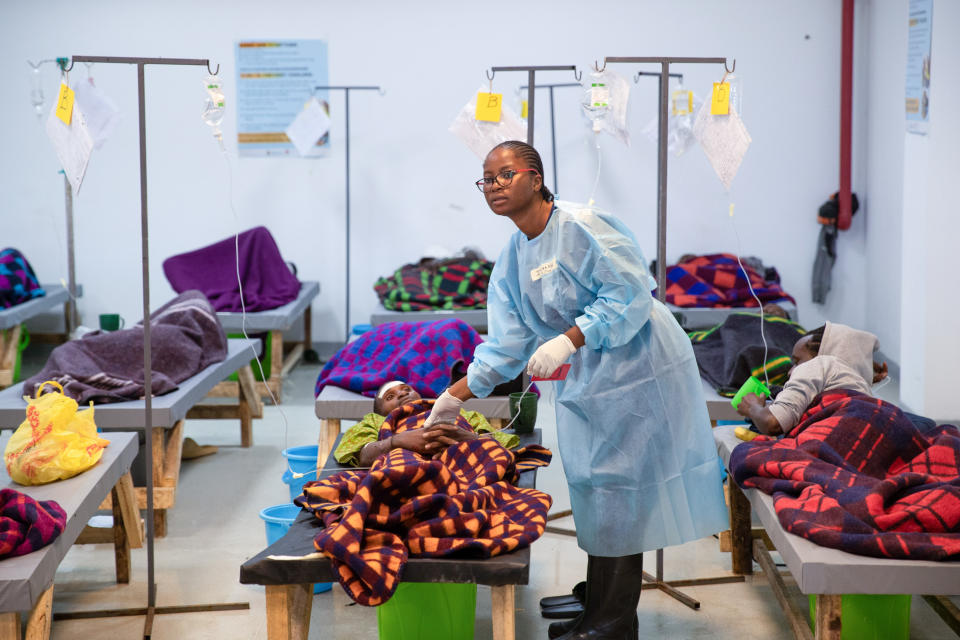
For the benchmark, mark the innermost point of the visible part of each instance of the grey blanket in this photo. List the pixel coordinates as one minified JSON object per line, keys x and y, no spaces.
{"x":185,"y":338}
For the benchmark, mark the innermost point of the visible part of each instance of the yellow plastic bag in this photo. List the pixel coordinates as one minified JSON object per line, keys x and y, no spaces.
{"x":55,"y":442}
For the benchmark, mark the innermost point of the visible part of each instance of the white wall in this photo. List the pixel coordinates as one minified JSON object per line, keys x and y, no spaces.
{"x":411,"y":178}
{"x":931,"y":228}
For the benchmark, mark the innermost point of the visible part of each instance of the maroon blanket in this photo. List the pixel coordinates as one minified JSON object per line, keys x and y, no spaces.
{"x":856,"y":475}
{"x":27,"y":525}
{"x":185,"y":338}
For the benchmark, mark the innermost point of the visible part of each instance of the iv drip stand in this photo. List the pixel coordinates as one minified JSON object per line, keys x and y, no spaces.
{"x":531,"y":85}
{"x":553,"y":129}
{"x":151,"y":608}
{"x":657,"y":582}
{"x":346,"y":147}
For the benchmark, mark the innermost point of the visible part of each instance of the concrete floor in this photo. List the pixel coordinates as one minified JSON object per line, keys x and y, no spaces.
{"x":215,"y":527}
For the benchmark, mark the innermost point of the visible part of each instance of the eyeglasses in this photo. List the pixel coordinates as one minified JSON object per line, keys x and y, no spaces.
{"x":504,"y":178}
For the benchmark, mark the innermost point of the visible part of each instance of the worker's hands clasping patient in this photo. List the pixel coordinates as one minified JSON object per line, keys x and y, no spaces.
{"x":550,"y":356}
{"x":440,"y":436}
{"x":446,"y":409}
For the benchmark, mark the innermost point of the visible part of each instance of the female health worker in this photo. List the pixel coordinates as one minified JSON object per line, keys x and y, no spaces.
{"x":632,"y":422}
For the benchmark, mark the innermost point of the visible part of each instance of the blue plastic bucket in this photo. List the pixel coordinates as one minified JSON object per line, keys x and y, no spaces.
{"x":302,"y":459}
{"x":295,"y":485}
{"x":278,"y":519}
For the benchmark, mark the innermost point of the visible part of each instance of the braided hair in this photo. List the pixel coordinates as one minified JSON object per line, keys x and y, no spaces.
{"x":532,"y":158}
{"x":816,"y":337}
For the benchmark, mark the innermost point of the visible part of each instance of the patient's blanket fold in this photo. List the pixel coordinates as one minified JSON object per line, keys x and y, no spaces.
{"x":185,"y":338}
{"x":267,"y":280}
{"x":855,"y":474}
{"x":717,"y":280}
{"x":421,"y":354}
{"x":463,"y":504}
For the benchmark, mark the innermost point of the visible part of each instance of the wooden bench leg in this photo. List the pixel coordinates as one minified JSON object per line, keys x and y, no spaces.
{"x":288,"y":611}
{"x":827,"y":625}
{"x":329,"y":429}
{"x":276,"y":364}
{"x":504,"y":609}
{"x":10,"y":625}
{"x":38,"y":624}
{"x":742,"y":538}
{"x":246,"y":396}
{"x":121,"y":545}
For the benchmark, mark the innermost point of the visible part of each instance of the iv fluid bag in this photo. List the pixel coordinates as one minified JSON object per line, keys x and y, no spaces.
{"x":596,"y":100}
{"x":214,"y":104}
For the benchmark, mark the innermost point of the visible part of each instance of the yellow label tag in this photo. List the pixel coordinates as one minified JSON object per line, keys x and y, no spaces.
{"x":65,"y":103}
{"x":489,"y":106}
{"x":544,"y":269}
{"x":523,"y":109}
{"x":720,"y":103}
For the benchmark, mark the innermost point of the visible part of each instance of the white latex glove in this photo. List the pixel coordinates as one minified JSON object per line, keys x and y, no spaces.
{"x":445,"y":410}
{"x":550,"y":356}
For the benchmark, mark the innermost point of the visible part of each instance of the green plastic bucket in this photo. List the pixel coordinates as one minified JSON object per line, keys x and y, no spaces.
{"x":265,"y":359}
{"x":866,"y":616}
{"x":428,"y":611}
{"x":24,"y":341}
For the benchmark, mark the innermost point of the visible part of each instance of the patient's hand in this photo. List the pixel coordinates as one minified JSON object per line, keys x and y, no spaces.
{"x":879,"y":371}
{"x":413,"y":440}
{"x":440,"y":436}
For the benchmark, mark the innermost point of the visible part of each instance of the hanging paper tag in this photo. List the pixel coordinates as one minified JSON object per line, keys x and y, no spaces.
{"x":720,"y":103}
{"x":65,"y":103}
{"x":489,"y":106}
{"x":523,"y":109}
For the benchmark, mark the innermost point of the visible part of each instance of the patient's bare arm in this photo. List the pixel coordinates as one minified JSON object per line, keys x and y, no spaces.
{"x":752,"y":406}
{"x":412,"y":440}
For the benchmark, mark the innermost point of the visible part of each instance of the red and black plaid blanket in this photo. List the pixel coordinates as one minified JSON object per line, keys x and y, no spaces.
{"x":717,"y":280}
{"x":856,"y":475}
{"x":463,"y":504}
{"x":27,"y":525}
{"x":453,"y":283}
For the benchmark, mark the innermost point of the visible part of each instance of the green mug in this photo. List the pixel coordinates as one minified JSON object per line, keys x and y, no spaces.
{"x":111,"y":322}
{"x":523,"y":411}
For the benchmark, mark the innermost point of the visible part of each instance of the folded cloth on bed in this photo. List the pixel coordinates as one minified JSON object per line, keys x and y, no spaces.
{"x":27,"y":525}
{"x":267,"y":280}
{"x":855,"y":474}
{"x":463,"y":504}
{"x":18,"y":282}
{"x":454,"y":283}
{"x":185,"y":338}
{"x":732,"y":351}
{"x":419,"y":353}
{"x":716,"y":280}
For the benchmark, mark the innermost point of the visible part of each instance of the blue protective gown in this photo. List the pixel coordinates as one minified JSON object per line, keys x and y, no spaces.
{"x":632,"y":422}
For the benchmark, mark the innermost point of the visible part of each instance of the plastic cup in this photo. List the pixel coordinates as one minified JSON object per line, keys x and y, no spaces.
{"x":111,"y":322}
{"x":524,"y":404}
{"x":752,"y":385}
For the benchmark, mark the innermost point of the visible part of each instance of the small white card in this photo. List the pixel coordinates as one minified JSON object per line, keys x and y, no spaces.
{"x":72,"y":143}
{"x":544,"y":269}
{"x":311,"y":124}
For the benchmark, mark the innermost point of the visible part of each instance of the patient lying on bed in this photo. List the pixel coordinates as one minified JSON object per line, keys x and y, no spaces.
{"x":833,"y":356}
{"x":361,"y":445}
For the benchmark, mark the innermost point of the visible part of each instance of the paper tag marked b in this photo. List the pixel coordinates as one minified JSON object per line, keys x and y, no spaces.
{"x":720,"y":103}
{"x":489,"y":106}
{"x":65,"y":104}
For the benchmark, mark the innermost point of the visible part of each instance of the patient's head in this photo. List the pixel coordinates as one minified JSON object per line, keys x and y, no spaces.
{"x":391,"y":395}
{"x":807,"y":347}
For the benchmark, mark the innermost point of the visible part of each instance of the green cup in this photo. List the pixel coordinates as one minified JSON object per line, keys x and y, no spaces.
{"x":752,"y":385}
{"x":110,"y":322}
{"x":525,"y":404}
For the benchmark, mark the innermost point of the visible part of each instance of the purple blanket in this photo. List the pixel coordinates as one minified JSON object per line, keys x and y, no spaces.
{"x":419,"y":353}
{"x":185,"y":338}
{"x":267,"y":280}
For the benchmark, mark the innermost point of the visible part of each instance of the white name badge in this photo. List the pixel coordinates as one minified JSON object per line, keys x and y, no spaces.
{"x":544,"y":269}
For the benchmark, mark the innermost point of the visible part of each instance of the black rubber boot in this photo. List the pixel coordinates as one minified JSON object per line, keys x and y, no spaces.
{"x":557,"y":629}
{"x":613,"y":591}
